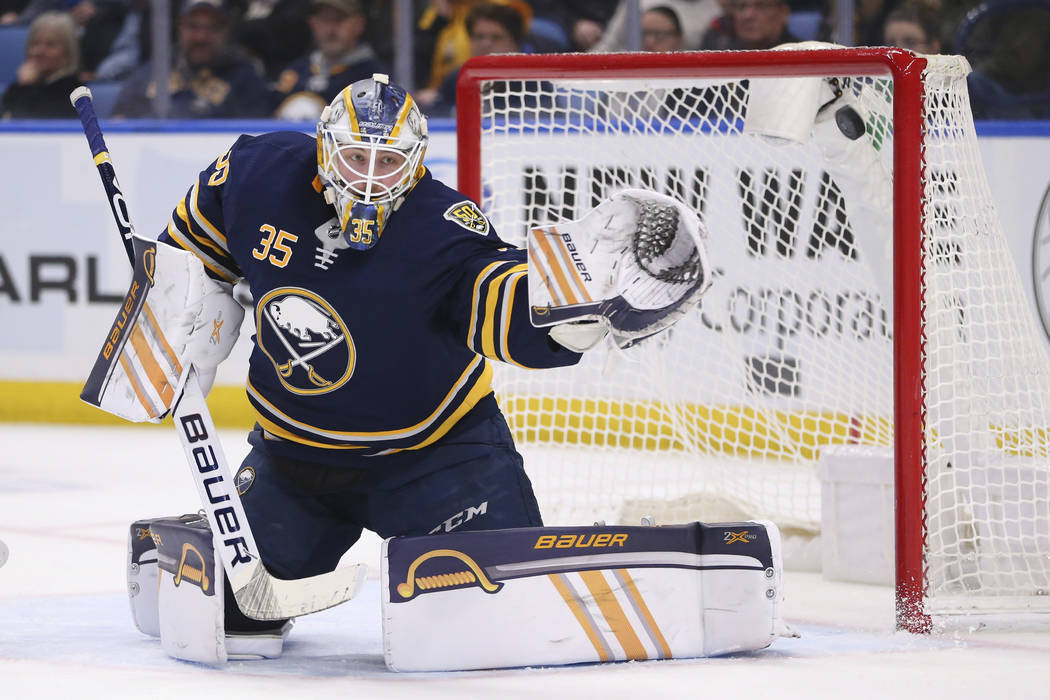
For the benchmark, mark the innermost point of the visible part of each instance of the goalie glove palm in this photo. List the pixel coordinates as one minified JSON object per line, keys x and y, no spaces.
{"x":636,"y":264}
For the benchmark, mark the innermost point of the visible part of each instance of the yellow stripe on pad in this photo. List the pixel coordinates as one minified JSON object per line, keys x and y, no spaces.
{"x":614,"y":614}
{"x":631,"y":589}
{"x":581,"y":616}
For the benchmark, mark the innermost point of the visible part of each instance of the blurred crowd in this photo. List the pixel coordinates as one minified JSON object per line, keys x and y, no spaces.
{"x":288,"y":58}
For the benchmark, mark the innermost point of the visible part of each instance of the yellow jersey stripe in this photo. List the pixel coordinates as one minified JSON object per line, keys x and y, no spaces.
{"x":475,"y":299}
{"x":458,"y":388}
{"x":184,"y":216}
{"x":479,"y":390}
{"x":179,"y":238}
{"x":103,"y":157}
{"x":202,"y":220}
{"x":508,"y":309}
{"x":488,"y":326}
{"x":280,"y":432}
{"x":476,"y":393}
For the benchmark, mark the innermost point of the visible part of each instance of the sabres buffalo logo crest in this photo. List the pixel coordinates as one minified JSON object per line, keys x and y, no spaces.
{"x":310,"y":346}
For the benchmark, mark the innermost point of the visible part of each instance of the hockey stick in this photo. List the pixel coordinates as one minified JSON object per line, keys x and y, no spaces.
{"x":259,"y":594}
{"x":81,"y":99}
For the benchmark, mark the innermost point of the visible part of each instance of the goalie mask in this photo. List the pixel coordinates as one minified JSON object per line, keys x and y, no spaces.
{"x":370,"y":146}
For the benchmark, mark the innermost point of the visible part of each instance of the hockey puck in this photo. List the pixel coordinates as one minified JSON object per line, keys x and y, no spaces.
{"x":3,"y":553}
{"x":849,"y":122}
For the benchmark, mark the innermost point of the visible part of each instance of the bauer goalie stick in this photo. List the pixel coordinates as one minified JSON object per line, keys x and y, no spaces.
{"x":258,"y":593}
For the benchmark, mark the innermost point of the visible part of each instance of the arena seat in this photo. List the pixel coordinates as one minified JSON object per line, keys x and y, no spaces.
{"x":104,"y":96}
{"x":12,"y":51}
{"x":805,"y":24}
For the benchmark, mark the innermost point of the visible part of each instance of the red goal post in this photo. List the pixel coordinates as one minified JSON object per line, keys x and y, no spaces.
{"x":570,"y":81}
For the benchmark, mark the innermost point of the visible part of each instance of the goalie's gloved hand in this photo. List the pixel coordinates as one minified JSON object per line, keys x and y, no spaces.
{"x":207,"y":318}
{"x":579,"y":336}
{"x":634,"y":265}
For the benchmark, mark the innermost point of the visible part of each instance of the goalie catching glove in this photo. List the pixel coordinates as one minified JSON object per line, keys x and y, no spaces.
{"x":632,"y":267}
{"x":173,"y":317}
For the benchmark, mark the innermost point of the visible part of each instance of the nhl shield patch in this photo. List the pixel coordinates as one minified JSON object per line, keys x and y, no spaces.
{"x":469,"y":216}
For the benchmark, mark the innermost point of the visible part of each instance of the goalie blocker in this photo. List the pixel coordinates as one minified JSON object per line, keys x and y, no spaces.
{"x":553,"y":596}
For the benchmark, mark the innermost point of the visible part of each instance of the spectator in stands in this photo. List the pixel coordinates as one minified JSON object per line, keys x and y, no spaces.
{"x":98,"y":29}
{"x":129,"y":47}
{"x":210,"y":78}
{"x":341,"y":58}
{"x":661,"y":30}
{"x":721,"y":28}
{"x":757,"y":24}
{"x":582,"y":21}
{"x":43,"y":83}
{"x":133,"y":43}
{"x":97,"y":23}
{"x":493,"y":28}
{"x":1008,"y":46}
{"x":10,"y":9}
{"x":913,"y":26}
{"x":694,"y":15}
{"x":81,"y":10}
{"x":274,"y":31}
{"x":442,"y":44}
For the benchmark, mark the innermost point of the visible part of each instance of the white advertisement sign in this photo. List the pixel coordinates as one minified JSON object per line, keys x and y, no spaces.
{"x":63,"y":269}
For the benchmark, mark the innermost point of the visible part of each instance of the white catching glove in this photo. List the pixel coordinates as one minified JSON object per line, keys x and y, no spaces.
{"x":632,"y":267}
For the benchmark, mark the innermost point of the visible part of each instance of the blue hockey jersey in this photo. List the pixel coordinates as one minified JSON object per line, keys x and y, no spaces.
{"x":369,"y":351}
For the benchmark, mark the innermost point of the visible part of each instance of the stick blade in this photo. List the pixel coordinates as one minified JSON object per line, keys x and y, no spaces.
{"x":264,"y":597}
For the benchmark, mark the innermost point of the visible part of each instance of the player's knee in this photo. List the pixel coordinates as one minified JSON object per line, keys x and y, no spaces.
{"x":178,"y":592}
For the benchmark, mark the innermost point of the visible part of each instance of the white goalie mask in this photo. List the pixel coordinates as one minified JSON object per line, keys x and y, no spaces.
{"x":370,"y":145}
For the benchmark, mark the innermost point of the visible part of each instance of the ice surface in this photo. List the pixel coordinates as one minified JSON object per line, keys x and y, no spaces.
{"x":67,"y":495}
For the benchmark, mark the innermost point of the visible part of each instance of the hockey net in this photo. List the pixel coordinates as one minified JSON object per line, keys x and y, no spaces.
{"x":804,"y":337}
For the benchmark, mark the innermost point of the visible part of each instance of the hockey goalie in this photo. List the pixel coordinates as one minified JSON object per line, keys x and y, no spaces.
{"x":380,"y":296}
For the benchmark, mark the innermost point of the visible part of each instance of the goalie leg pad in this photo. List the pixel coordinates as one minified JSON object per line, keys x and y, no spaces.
{"x":177,"y":588}
{"x":554,"y":596}
{"x":142,"y":577}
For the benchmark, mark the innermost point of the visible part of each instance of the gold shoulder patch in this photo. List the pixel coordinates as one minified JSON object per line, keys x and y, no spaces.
{"x":469,"y":216}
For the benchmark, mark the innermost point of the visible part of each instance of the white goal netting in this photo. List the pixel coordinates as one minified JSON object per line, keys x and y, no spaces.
{"x":791,"y":350}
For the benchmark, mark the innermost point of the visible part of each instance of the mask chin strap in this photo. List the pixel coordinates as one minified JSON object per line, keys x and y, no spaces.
{"x":361,"y":223}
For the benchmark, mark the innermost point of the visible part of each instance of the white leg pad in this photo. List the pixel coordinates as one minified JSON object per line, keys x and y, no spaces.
{"x":175,"y":582}
{"x":742,"y":607}
{"x":190,"y":592}
{"x":553,"y":596}
{"x":142,"y":578}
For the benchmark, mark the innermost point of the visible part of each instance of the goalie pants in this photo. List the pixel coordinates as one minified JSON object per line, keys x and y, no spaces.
{"x":305,"y":515}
